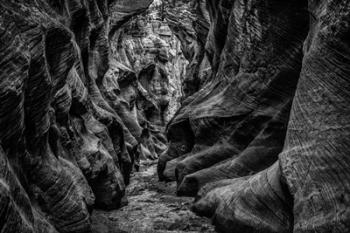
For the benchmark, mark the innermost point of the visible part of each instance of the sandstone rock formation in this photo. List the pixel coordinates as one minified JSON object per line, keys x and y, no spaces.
{"x":189,"y":20}
{"x":147,"y":47}
{"x":245,"y":106}
{"x":64,"y":143}
{"x":253,"y":95}
{"x":263,"y":143}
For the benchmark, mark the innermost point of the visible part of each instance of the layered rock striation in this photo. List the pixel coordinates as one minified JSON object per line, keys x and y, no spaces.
{"x":65,"y":147}
{"x":147,"y":47}
{"x":190,"y":21}
{"x":262,"y":143}
{"x":253,"y":95}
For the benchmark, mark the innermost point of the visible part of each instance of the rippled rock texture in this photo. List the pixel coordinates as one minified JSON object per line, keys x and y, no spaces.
{"x":148,"y":46}
{"x":189,"y":21}
{"x":149,"y":98}
{"x":65,"y":147}
{"x":261,"y":138}
{"x":264,"y":142}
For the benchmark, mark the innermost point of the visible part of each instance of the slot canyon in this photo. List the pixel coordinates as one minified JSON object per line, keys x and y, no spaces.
{"x":164,"y":116}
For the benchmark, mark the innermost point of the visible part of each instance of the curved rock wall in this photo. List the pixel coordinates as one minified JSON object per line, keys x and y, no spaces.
{"x":263,"y":143}
{"x":189,"y":21}
{"x":261,"y":137}
{"x":65,"y":147}
{"x":148,"y":46}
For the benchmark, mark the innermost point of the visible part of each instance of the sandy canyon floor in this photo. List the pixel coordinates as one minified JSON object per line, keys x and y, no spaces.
{"x":153,"y":208}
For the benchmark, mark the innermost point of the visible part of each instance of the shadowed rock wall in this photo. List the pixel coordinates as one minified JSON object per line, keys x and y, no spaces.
{"x":64,"y":146}
{"x":263,"y":143}
{"x":147,"y":46}
{"x":261,"y":137}
{"x":189,"y":21}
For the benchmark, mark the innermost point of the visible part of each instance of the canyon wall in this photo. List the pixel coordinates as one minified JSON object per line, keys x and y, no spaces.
{"x":262,"y":142}
{"x":254,"y":97}
{"x":189,"y":21}
{"x":66,"y":147}
{"x":147,"y":47}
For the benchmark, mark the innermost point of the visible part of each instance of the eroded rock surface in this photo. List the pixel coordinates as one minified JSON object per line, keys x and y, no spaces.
{"x":148,"y":46}
{"x":64,"y":144}
{"x":149,"y":66}
{"x":263,"y":143}
{"x":253,"y":95}
{"x":189,"y":21}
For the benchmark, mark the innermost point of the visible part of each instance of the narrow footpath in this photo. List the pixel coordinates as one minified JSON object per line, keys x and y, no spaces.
{"x":153,"y":208}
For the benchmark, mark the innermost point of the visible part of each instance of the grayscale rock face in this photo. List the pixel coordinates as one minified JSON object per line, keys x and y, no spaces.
{"x":148,"y":46}
{"x":63,"y":144}
{"x":263,"y":143}
{"x":189,"y":21}
{"x":244,"y":103}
